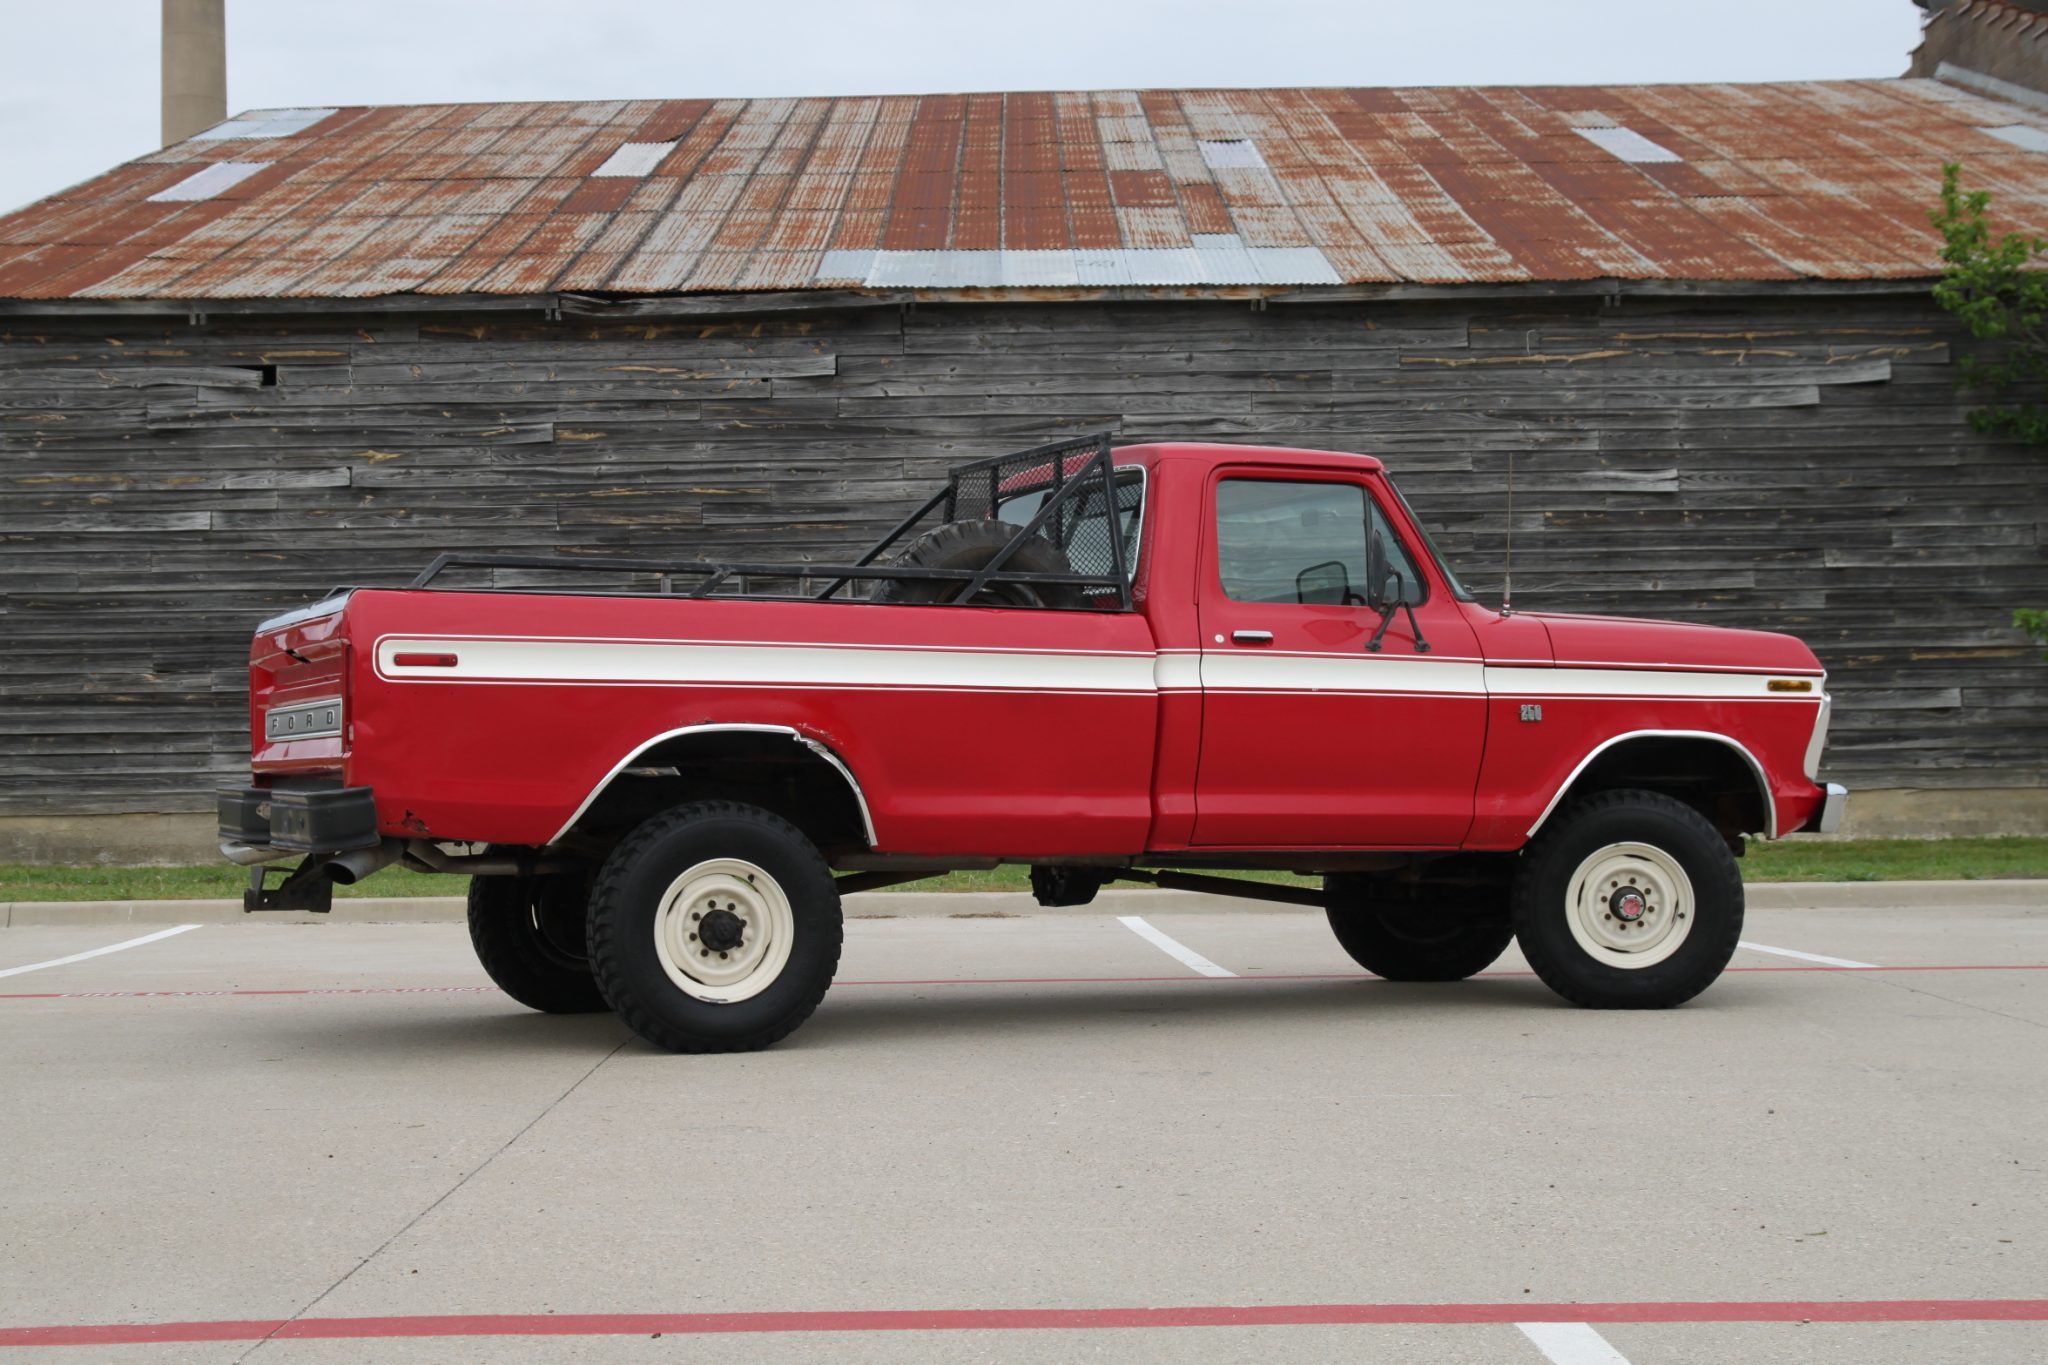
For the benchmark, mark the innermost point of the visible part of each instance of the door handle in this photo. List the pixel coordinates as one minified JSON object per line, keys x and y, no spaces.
{"x":1252,"y":637}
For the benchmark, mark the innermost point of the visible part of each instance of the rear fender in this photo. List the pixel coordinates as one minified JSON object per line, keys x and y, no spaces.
{"x":641,"y":752}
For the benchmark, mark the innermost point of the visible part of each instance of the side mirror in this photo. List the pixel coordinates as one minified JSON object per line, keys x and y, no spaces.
{"x":1327,"y":583}
{"x":1379,"y":593}
{"x":1388,"y":592}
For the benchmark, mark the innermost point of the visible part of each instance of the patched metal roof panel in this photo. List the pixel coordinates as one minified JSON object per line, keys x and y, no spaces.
{"x":1292,"y":265}
{"x":1043,"y":191}
{"x":1628,"y":144}
{"x":635,"y":159}
{"x":265,"y":123}
{"x":846,"y":266}
{"x":216,"y":178}
{"x":1039,"y":270}
{"x":2022,"y":135}
{"x":1240,"y":151}
{"x":936,"y":269}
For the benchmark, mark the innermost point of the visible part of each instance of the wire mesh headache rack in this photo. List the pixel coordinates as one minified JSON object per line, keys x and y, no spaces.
{"x":1061,"y":492}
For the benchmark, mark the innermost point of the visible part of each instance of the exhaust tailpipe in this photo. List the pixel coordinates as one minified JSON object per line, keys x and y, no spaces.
{"x":346,"y":869}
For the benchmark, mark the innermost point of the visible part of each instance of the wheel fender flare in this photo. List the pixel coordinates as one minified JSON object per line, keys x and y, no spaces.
{"x":816,"y":746}
{"x":1763,"y":782}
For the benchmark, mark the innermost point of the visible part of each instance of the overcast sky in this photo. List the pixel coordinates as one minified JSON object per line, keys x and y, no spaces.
{"x":80,"y":93}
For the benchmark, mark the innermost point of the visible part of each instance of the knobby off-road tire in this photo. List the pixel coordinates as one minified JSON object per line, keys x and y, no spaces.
{"x":1419,"y":932}
{"x":715,"y":927}
{"x":971,"y":545}
{"x":530,"y":936}
{"x":1628,"y":900}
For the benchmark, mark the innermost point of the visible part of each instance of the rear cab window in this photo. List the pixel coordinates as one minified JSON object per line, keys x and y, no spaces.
{"x":1081,"y":530}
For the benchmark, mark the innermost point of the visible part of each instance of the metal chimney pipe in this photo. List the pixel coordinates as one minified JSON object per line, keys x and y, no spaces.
{"x":195,"y":74}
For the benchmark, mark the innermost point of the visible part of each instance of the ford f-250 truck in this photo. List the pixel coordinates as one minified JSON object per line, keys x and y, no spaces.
{"x":1158,"y":663}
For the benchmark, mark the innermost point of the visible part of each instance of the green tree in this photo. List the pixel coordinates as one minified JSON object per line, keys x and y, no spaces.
{"x":1995,"y":286}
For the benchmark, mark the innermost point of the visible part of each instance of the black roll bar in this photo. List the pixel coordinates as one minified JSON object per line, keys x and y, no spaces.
{"x":1098,"y":470}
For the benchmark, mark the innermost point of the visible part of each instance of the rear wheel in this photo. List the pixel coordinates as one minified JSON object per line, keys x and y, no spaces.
{"x":1417,"y":931}
{"x":529,"y":935}
{"x":715,"y":927}
{"x":1628,"y":900}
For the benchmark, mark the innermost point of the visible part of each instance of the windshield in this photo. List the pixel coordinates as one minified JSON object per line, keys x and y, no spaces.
{"x":1458,"y":589}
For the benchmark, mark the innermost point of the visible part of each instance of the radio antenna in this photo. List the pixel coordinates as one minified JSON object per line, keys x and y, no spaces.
{"x":1507,"y":580}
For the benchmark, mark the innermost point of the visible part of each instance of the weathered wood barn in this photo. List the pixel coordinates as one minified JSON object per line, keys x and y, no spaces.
{"x":315,"y":346}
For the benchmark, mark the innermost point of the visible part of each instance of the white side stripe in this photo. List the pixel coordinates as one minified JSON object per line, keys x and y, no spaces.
{"x":1804,"y":957}
{"x":601,"y":661}
{"x":1639,"y":682}
{"x":1571,"y":1343}
{"x":1173,"y":948}
{"x":1177,"y":672}
{"x":712,"y":663}
{"x":99,"y":952}
{"x":1256,"y":670}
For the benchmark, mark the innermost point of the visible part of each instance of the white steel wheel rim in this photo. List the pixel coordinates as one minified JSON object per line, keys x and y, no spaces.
{"x":1630,"y":905}
{"x":723,"y":930}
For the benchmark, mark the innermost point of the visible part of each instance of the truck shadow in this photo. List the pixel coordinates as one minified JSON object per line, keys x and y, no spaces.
{"x":498,"y":1029}
{"x":856,"y":1015}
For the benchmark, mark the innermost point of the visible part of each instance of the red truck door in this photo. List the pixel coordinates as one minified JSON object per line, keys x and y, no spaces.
{"x":1310,"y":739}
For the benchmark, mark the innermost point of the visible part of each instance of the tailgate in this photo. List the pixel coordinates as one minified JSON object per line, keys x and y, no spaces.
{"x":298,"y":690}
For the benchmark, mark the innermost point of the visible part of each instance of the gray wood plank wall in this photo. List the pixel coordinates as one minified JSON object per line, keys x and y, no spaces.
{"x":1782,"y":462}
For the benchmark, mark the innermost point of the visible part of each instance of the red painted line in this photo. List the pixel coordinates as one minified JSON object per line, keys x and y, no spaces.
{"x":1182,"y":980}
{"x":302,"y":990}
{"x":1363,"y":976}
{"x":1027,"y":1319}
{"x":1937,"y":967}
{"x":989,"y":981}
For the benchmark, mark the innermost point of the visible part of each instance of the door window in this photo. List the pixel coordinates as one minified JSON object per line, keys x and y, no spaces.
{"x":1295,"y":541}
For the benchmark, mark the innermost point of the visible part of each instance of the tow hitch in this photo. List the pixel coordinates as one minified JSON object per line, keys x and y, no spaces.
{"x":305,"y":887}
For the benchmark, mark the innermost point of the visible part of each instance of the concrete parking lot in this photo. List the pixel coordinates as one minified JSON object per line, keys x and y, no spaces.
{"x":1049,"y":1136}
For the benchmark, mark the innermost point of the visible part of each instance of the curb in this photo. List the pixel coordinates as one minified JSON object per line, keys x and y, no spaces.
{"x":2003,"y":893}
{"x":354,"y":909}
{"x":1931,"y":896}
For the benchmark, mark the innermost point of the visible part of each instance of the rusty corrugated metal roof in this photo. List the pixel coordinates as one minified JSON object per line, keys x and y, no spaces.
{"x":1058,"y":191}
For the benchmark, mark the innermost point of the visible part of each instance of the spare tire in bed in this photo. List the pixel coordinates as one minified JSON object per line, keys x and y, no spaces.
{"x":971,"y":545}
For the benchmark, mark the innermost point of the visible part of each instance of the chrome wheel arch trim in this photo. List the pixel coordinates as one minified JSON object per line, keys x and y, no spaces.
{"x":817,"y":747}
{"x":1763,"y":784}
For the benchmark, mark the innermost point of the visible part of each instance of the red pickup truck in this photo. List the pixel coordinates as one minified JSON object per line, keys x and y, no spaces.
{"x":1159,"y":663}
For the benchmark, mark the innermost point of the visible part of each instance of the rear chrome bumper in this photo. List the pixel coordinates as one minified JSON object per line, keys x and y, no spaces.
{"x":302,"y":819}
{"x":1828,"y":818}
{"x":330,"y":828}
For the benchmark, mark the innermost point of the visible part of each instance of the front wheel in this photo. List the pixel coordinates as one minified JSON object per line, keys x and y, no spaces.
{"x":715,"y":927}
{"x":1416,"y":931}
{"x":1629,"y":900}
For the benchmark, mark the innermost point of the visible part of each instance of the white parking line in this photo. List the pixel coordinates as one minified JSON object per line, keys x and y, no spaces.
{"x":99,"y":952}
{"x":1172,"y":948}
{"x":1804,"y":957}
{"x":1571,"y":1343}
